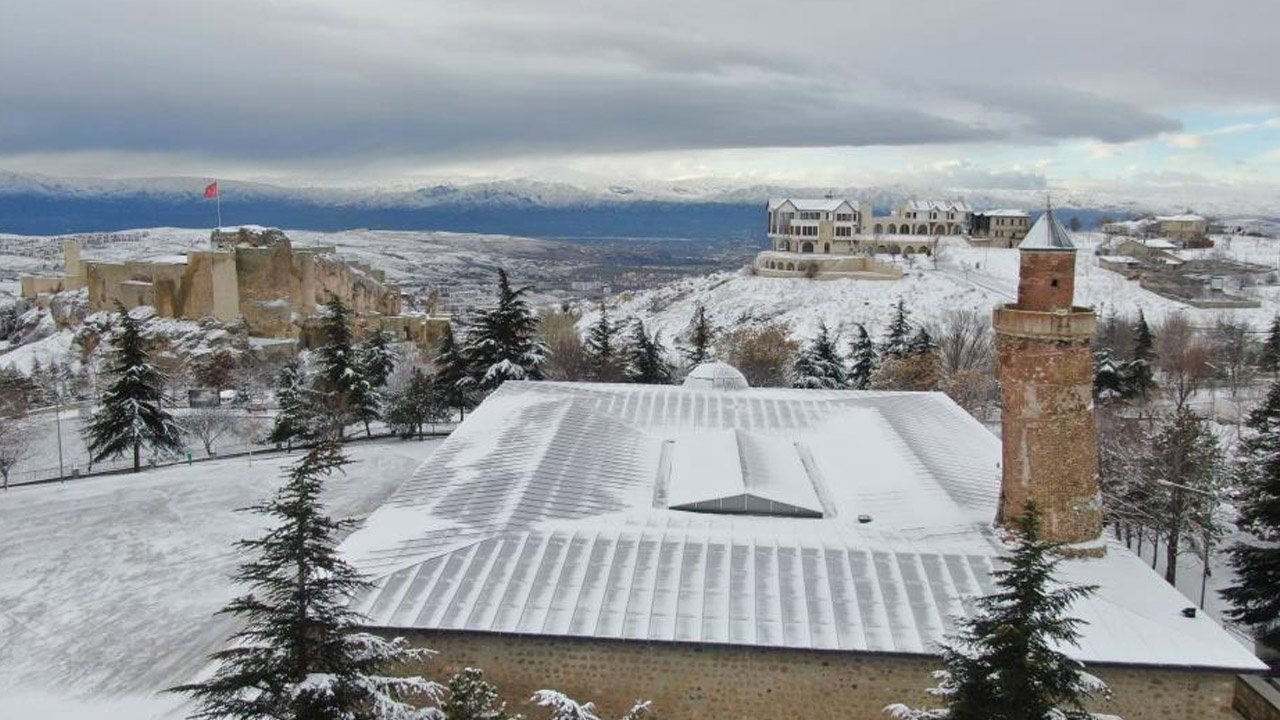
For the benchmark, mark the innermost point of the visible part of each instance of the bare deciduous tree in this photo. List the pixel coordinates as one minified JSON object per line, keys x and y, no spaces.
{"x":207,"y":424}
{"x":761,"y":354}
{"x":1184,"y":357}
{"x":15,"y":444}
{"x":559,"y":330}
{"x":966,"y":353}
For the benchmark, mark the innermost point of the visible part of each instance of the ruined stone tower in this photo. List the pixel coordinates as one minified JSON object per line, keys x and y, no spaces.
{"x":1046,"y":376}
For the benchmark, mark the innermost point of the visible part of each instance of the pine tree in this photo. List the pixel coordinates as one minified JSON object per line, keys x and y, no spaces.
{"x":1269,"y":359}
{"x":898,"y":335}
{"x":452,"y":371}
{"x":819,"y":365}
{"x":921,"y":344}
{"x":601,"y":351}
{"x":1140,"y":370}
{"x":375,"y":359}
{"x":298,"y":656}
{"x":295,"y":414}
{"x":1108,"y":384}
{"x":131,"y":414}
{"x":1004,"y":663}
{"x":646,"y":358}
{"x":1255,"y":597}
{"x":1182,"y":483}
{"x":865,"y":360}
{"x":700,"y":338}
{"x":339,"y":379}
{"x":562,"y":707}
{"x":502,"y":342}
{"x":471,"y":698}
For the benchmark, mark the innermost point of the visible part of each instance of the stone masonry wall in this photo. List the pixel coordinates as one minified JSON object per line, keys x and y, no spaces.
{"x":1046,"y":280}
{"x":1049,"y":449}
{"x":717,"y":682}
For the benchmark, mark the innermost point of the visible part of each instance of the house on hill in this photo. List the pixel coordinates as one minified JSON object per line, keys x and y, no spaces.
{"x":726,"y":551}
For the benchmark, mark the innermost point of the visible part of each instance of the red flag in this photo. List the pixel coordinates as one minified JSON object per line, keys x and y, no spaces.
{"x":211,"y":190}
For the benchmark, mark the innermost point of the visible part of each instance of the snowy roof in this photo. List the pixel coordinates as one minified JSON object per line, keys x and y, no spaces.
{"x":819,"y":204}
{"x":555,"y":509}
{"x":942,"y":205}
{"x":1047,"y":234}
{"x":1186,"y":217}
{"x":1004,"y":213}
{"x":1159,"y":244}
{"x":1119,"y":259}
{"x":716,"y":376}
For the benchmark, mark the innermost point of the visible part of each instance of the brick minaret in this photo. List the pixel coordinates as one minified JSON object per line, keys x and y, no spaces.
{"x":1046,"y":377}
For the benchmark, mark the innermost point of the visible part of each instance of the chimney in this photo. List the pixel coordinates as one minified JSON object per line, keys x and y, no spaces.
{"x":1045,"y":368}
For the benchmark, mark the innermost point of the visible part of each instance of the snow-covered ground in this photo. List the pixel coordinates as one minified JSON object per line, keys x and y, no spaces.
{"x":963,"y":278}
{"x":108,"y":585}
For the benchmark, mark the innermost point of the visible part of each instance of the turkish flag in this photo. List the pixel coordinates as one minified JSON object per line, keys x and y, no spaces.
{"x":211,"y":190}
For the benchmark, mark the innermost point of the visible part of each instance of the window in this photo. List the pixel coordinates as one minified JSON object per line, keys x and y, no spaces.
{"x":810,"y":216}
{"x":844,"y":232}
{"x":844,"y":217}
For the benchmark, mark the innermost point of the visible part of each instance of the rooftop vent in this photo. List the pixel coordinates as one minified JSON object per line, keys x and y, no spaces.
{"x":734,"y":472}
{"x":715,"y":376}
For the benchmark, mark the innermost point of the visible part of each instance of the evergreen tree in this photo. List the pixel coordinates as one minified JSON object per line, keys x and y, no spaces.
{"x":295,"y":414}
{"x":1269,"y":359}
{"x":375,"y":359}
{"x":865,"y":360}
{"x":1140,"y":370}
{"x":421,"y":402}
{"x":898,"y":335}
{"x":1108,"y":383}
{"x":1182,"y":475}
{"x":298,"y":657}
{"x":700,"y":338}
{"x":131,"y":414}
{"x":502,"y":342}
{"x":921,"y":344}
{"x":646,"y":358}
{"x":1004,"y":663}
{"x":452,"y":371}
{"x":601,"y":351}
{"x":471,"y":698}
{"x":819,"y":365}
{"x":339,"y":380}
{"x":1255,"y":597}
{"x":562,"y":707}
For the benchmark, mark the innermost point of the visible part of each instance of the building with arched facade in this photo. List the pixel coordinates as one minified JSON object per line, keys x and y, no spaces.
{"x":839,"y":226}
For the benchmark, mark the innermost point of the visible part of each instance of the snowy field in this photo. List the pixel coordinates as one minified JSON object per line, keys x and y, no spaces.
{"x":108,"y":585}
{"x":964,"y":278}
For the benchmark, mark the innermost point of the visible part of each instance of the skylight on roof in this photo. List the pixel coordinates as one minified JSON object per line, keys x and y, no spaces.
{"x":736,"y":472}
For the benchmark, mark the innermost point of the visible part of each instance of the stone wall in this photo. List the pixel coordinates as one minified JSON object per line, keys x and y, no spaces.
{"x":1049,"y":448}
{"x":1046,"y":280}
{"x":719,"y":682}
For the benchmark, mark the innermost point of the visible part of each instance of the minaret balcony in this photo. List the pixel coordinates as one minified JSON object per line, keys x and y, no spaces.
{"x":1075,"y":325}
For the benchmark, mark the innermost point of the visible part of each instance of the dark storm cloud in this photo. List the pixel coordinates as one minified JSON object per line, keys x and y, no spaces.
{"x":443,"y":81}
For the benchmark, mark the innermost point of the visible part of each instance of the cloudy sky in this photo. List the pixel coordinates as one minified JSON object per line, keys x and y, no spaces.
{"x":1000,"y":93}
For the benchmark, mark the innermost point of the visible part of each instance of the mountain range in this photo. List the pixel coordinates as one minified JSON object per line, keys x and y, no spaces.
{"x":42,"y":205}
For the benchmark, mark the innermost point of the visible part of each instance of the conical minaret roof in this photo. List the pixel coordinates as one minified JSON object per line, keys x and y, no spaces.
{"x":1047,"y":234}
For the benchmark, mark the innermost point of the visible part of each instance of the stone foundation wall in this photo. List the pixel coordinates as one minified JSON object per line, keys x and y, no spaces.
{"x":717,"y":682}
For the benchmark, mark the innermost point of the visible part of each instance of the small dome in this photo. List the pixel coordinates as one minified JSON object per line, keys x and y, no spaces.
{"x":715,"y":376}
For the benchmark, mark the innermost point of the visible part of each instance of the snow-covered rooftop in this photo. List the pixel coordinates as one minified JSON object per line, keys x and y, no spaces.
{"x":1185,"y":217}
{"x":813,"y":204}
{"x":1006,"y":212}
{"x":578,"y":509}
{"x":941,"y":205}
{"x":1047,"y":234}
{"x":1159,"y":244}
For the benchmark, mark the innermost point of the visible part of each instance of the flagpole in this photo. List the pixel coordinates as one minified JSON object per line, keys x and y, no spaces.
{"x":218,"y":199}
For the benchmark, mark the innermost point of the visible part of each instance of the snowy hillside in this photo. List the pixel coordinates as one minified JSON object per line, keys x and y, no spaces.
{"x":966,"y":278}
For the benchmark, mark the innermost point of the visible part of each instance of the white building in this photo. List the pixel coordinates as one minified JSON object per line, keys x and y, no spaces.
{"x":833,"y":225}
